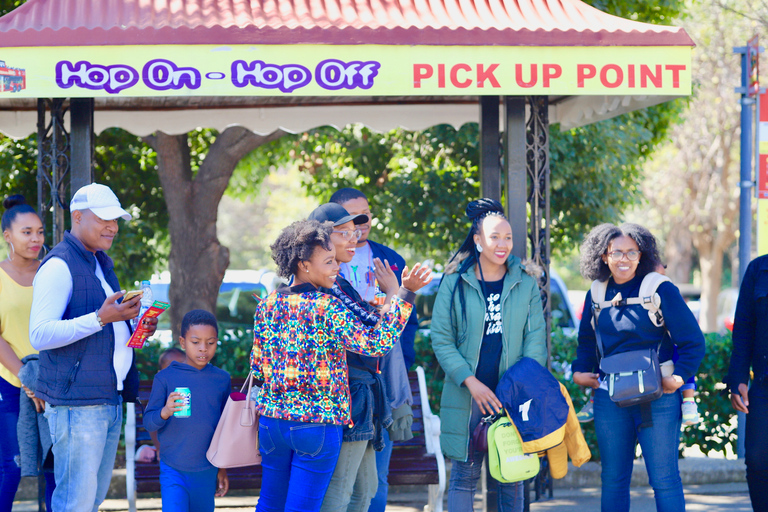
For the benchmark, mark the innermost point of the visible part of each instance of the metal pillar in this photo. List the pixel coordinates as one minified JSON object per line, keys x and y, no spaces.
{"x":490,"y":148}
{"x":53,"y":165}
{"x":537,"y":164}
{"x":515,"y":167}
{"x":745,"y":201}
{"x":81,"y":129}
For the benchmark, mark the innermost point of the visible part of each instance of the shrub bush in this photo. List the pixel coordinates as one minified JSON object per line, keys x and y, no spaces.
{"x":232,"y":354}
{"x":714,"y":433}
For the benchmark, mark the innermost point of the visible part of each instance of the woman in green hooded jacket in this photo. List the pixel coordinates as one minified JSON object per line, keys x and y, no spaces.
{"x":487,"y":315}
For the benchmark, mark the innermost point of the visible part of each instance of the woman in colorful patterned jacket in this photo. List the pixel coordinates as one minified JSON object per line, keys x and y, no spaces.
{"x":300,"y":339}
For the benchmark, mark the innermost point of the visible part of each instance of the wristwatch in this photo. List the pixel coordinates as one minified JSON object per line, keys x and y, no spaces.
{"x":98,"y":318}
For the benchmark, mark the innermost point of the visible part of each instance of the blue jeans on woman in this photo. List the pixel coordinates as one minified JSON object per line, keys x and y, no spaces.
{"x":465,"y":475}
{"x":297,"y":461}
{"x":756,"y":444}
{"x":10,"y":471}
{"x":618,"y":432}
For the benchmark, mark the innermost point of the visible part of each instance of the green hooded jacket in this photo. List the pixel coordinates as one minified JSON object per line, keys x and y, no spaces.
{"x":457,"y":347}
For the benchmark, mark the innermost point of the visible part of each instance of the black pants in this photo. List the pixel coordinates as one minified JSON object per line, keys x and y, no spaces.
{"x":756,"y":445}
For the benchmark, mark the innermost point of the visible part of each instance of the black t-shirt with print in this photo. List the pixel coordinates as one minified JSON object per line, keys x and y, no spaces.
{"x":487,"y":370}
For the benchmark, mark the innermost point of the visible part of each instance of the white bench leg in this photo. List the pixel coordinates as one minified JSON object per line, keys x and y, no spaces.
{"x":130,"y":455}
{"x":435,"y":503}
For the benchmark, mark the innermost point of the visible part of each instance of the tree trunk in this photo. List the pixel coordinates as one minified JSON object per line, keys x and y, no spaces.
{"x":711,"y":279}
{"x":197,"y":260}
{"x":679,"y":255}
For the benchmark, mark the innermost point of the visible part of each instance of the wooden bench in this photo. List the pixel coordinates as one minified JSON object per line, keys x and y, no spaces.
{"x":418,"y":461}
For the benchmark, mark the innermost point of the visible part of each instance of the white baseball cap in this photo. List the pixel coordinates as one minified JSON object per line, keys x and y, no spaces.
{"x":100,"y":200}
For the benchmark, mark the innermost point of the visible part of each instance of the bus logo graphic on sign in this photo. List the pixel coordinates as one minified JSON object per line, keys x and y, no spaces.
{"x":12,"y":79}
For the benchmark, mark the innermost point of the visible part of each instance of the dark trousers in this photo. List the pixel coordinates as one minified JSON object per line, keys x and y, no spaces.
{"x":756,"y":446}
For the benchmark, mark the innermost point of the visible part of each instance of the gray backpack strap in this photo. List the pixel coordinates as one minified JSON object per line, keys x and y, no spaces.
{"x":649,"y":298}
{"x":597,"y":291}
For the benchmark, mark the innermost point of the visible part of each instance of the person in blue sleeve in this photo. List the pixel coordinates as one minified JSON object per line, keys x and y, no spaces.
{"x":750,"y":351}
{"x":360,"y":272}
{"x":188,"y":482}
{"x":623,"y":256}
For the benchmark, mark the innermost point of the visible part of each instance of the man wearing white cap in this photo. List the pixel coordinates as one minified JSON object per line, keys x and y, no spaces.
{"x":81,"y":330}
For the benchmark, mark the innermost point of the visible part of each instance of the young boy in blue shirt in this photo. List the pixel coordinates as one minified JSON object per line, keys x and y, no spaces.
{"x":188,"y":482}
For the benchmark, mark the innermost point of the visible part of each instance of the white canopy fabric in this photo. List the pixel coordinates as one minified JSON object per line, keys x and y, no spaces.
{"x":569,"y":112}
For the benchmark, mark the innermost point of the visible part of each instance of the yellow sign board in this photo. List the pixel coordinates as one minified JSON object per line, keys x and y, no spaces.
{"x":762,"y":227}
{"x":353,"y":70}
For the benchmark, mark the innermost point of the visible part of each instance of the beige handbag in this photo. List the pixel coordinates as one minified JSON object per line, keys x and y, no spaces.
{"x":235,"y":443}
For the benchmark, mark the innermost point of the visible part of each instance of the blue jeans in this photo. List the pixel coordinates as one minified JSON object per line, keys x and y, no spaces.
{"x":187,"y":491}
{"x":10,"y":471}
{"x":379,"y":501}
{"x":465,"y":475}
{"x":756,"y":445}
{"x":297,"y":461}
{"x":84,"y":447}
{"x":617,"y":435}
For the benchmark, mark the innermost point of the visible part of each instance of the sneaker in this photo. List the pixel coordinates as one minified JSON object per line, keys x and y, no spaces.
{"x":690,"y":413}
{"x":587,"y":413}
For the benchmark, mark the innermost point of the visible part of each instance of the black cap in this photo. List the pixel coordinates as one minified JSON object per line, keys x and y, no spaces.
{"x":335,"y":213}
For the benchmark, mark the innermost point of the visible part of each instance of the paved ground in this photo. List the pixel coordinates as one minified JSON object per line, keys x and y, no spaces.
{"x":712,"y":497}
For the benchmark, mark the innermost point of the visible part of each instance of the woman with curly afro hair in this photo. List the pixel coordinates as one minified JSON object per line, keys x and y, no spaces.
{"x":620,"y":257}
{"x":300,"y":339}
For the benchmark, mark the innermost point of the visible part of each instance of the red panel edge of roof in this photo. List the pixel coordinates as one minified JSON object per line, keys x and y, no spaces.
{"x":40,"y":23}
{"x":333,"y":35}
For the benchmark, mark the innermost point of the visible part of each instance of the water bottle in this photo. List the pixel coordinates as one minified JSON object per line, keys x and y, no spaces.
{"x":146,"y":301}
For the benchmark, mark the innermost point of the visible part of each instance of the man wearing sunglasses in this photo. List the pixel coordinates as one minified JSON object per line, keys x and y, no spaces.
{"x":359,"y":272}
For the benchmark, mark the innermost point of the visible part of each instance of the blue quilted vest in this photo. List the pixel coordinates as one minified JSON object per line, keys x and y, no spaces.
{"x":83,"y":373}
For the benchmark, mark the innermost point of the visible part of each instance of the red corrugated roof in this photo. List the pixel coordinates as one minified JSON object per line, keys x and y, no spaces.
{"x":389,"y":22}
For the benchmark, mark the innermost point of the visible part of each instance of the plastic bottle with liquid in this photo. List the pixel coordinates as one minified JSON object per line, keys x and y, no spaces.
{"x":146,"y":301}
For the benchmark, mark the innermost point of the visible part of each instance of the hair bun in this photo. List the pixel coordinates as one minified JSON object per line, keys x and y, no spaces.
{"x":481,"y":207}
{"x":14,"y":200}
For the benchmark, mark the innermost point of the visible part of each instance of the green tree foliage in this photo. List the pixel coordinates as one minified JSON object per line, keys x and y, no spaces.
{"x":418,"y":182}
{"x":124,"y":163}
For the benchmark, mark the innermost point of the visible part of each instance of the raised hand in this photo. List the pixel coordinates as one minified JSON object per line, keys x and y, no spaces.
{"x":417,"y":278}
{"x":385,"y":276}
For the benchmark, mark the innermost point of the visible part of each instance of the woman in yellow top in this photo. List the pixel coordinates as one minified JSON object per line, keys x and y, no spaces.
{"x":23,"y":232}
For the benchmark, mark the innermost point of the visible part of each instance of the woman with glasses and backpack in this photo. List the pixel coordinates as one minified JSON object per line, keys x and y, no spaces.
{"x":634,"y":323}
{"x":487,"y":315}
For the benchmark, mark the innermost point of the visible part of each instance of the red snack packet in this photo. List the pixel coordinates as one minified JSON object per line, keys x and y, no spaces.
{"x":140,"y":335}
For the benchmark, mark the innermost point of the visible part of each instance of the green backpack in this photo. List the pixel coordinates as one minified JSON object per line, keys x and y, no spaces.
{"x":506,"y":460}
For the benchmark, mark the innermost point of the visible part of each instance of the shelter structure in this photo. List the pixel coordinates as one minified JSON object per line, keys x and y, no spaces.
{"x":173,"y":65}
{"x":70,"y":68}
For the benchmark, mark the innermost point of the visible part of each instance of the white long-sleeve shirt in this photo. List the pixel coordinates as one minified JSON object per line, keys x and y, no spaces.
{"x":51,"y":293}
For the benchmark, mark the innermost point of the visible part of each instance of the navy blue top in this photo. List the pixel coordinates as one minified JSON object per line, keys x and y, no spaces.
{"x":408,"y":336}
{"x":626,"y":328}
{"x":184,"y":441}
{"x":750,"y":327}
{"x":487,"y":370}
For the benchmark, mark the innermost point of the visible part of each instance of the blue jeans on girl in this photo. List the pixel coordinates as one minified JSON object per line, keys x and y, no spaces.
{"x":10,"y":472}
{"x":618,"y":434}
{"x":465,"y":475}
{"x":297,"y":463}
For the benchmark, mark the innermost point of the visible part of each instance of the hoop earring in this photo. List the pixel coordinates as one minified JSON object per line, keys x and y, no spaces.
{"x":479,"y":247}
{"x":13,"y":251}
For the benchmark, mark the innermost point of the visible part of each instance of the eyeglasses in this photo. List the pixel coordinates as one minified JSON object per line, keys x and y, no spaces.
{"x":349,"y":235}
{"x":618,"y":255}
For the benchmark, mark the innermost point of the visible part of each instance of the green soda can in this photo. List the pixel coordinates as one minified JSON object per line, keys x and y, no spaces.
{"x":186,"y":399}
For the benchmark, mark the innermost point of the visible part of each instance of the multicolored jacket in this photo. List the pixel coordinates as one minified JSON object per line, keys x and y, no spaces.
{"x":300,"y":339}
